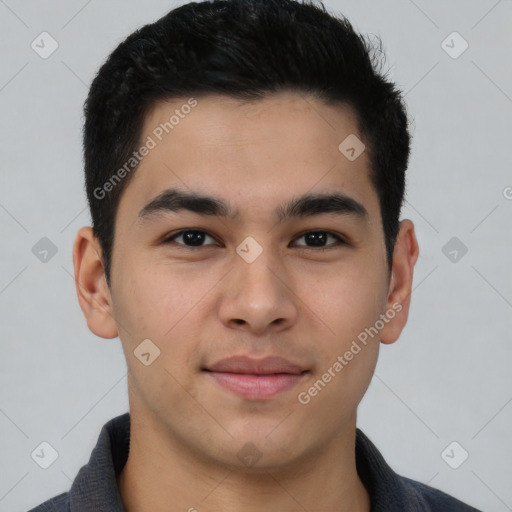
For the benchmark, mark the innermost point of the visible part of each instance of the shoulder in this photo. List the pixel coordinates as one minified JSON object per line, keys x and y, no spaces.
{"x":59,"y":503}
{"x":435,"y":500}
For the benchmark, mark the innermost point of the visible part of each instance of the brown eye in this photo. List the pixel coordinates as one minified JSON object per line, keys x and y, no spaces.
{"x":190,"y":238}
{"x":319,"y":239}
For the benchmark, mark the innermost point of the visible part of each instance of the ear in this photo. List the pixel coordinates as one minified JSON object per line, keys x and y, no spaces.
{"x":405,"y":255}
{"x":91,"y":285}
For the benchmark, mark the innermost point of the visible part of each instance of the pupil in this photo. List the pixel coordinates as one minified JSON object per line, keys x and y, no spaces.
{"x":192,"y":237}
{"x":322,"y":237}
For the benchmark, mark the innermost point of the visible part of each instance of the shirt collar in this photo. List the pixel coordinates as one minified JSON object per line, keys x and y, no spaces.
{"x":387,"y":490}
{"x":95,"y":486}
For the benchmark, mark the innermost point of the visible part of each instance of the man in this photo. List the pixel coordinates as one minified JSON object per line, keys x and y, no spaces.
{"x":245,"y":170}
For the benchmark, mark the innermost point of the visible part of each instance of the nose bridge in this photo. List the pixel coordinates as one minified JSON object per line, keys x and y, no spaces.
{"x":257,"y":294}
{"x":256,"y":269}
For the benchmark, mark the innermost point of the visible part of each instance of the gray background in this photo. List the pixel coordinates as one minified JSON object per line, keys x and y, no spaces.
{"x":448,"y":378}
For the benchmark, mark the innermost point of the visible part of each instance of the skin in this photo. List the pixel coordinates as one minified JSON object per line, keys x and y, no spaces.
{"x":204,"y":304}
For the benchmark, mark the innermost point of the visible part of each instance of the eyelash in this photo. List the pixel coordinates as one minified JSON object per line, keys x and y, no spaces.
{"x":339,"y":239}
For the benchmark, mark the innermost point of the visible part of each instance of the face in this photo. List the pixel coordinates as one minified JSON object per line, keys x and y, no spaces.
{"x":243,"y":274}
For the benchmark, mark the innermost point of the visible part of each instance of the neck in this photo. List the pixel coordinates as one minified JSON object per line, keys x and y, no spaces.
{"x":162,"y":475}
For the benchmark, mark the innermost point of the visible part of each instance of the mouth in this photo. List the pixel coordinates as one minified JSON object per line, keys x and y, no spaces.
{"x":256,"y":379}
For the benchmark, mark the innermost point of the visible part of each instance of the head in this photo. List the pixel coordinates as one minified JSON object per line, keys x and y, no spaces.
{"x":247,"y":104}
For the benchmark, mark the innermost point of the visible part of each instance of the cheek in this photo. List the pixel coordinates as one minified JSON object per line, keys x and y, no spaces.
{"x":162,"y":307}
{"x":346,"y":303}
{"x":346,"y":300}
{"x":159,"y":305}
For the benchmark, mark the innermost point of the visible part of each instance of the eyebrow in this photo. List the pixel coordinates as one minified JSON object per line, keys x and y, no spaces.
{"x":308,"y":205}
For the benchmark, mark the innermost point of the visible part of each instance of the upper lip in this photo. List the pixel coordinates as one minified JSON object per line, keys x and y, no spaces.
{"x":247,"y":365}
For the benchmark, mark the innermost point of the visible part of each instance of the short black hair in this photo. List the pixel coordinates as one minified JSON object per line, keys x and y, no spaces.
{"x":245,"y":49}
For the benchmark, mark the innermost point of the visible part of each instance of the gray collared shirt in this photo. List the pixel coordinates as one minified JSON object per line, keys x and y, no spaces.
{"x":95,"y":486}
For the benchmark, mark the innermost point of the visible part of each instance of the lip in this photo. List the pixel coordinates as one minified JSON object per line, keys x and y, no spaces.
{"x":248,"y":365}
{"x":256,"y":379}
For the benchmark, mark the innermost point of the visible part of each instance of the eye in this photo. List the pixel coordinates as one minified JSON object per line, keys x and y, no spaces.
{"x":195,"y":238}
{"x":318,"y":238}
{"x":191,"y":238}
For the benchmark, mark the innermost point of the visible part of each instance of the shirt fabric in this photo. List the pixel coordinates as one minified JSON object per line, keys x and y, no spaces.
{"x":95,"y":487}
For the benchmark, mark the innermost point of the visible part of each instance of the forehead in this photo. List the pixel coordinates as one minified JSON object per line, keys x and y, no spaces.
{"x":252,"y":154}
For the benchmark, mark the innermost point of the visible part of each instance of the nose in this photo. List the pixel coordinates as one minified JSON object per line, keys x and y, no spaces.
{"x":258,"y":297}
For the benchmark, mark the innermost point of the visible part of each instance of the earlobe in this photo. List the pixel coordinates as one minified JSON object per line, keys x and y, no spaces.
{"x":92,"y":291}
{"x":399,"y":296}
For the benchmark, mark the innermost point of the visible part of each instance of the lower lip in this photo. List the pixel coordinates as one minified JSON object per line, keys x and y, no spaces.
{"x":256,"y":387}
